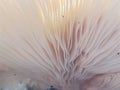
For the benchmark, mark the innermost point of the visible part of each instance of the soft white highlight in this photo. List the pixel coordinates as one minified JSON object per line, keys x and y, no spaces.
{"x":71,"y":44}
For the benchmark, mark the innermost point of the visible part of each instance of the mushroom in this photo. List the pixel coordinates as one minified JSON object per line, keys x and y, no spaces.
{"x":67,"y":44}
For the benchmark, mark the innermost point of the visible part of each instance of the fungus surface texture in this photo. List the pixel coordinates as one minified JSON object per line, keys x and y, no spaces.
{"x":59,"y":44}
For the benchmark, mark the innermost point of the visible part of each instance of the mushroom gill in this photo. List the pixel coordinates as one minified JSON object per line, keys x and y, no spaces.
{"x":60,"y":44}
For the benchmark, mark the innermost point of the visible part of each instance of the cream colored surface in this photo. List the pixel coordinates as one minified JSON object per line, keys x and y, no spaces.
{"x":64,"y":43}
